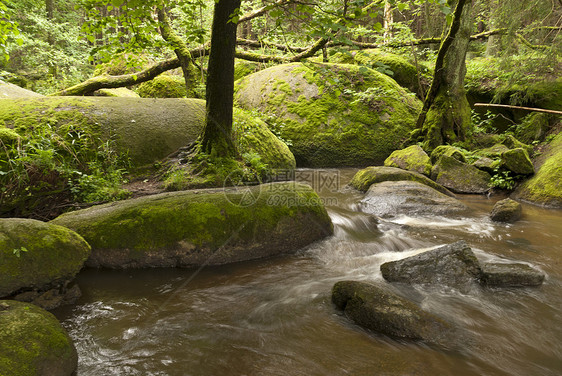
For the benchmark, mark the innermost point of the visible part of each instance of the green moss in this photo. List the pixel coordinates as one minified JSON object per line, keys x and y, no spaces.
{"x":34,"y":254}
{"x":460,"y":177}
{"x":121,"y":92}
{"x":513,"y":143}
{"x":449,"y":151}
{"x":242,"y":68}
{"x":518,"y":161}
{"x":364,"y":178}
{"x":248,"y":222}
{"x":533,"y":127}
{"x":8,"y":137}
{"x":413,"y":158}
{"x":122,"y":64}
{"x":32,"y":342}
{"x":328,"y":114}
{"x":545,"y":187}
{"x":163,"y":86}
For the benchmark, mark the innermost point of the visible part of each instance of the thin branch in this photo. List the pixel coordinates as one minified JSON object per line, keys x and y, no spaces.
{"x":517,"y":108}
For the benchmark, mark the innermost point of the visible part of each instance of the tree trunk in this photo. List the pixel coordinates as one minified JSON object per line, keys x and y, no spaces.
{"x":388,"y":21}
{"x":445,"y":116}
{"x":217,"y":135}
{"x":190,"y":72}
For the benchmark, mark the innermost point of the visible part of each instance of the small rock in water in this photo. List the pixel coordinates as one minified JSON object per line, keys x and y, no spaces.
{"x":452,"y":265}
{"x":378,"y":309}
{"x":507,"y":210}
{"x":510,"y":275}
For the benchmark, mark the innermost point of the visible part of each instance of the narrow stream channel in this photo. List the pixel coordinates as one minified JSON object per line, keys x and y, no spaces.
{"x":275,"y":317}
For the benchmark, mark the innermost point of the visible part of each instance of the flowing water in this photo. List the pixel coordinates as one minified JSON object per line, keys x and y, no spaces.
{"x":275,"y":317}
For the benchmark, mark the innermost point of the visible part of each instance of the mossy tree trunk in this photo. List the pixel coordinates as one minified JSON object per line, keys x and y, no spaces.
{"x":445,"y":116}
{"x":217,"y":135}
{"x":190,"y":72}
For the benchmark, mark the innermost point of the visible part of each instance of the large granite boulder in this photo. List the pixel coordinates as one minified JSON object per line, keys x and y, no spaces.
{"x":460,"y":177}
{"x":333,"y":114}
{"x":413,"y":158}
{"x":201,"y":227}
{"x":38,"y":258}
{"x":391,"y":198}
{"x":145,"y":130}
{"x":33,"y":343}
{"x":453,"y":265}
{"x":378,"y":309}
{"x":545,"y":187}
{"x":364,"y":178}
{"x":507,"y":210}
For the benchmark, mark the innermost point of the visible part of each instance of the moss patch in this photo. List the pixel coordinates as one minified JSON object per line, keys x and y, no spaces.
{"x":363,"y":179}
{"x":413,"y":158}
{"x":202,"y":227}
{"x":163,"y":86}
{"x":32,"y":342}
{"x":333,"y":115}
{"x":545,"y":187}
{"x":36,"y":255}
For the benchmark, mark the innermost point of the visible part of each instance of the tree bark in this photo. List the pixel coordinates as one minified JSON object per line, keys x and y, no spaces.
{"x":217,"y":135}
{"x":190,"y":72}
{"x":445,"y":115}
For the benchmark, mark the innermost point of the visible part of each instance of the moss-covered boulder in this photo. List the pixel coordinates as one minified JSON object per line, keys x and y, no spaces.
{"x":163,"y":86}
{"x":252,"y":136}
{"x":507,"y":210}
{"x":447,"y":150}
{"x":513,"y":143}
{"x":533,"y":127}
{"x":8,"y":90}
{"x":242,"y":68}
{"x":145,"y":130}
{"x":517,"y":161}
{"x":204,"y":227}
{"x":38,"y":256}
{"x":333,"y":115}
{"x":460,"y":177}
{"x":121,"y":92}
{"x":8,"y":137}
{"x":487,"y":164}
{"x":33,"y":343}
{"x":492,"y":152}
{"x":383,"y":311}
{"x":413,"y":158}
{"x":545,"y":187}
{"x":364,"y":178}
{"x":394,"y":198}
{"x":395,"y":66}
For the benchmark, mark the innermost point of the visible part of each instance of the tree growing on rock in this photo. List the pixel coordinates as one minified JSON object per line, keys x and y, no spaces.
{"x":445,"y":116}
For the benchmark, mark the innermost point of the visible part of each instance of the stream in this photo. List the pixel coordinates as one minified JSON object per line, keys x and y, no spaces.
{"x":275,"y":316}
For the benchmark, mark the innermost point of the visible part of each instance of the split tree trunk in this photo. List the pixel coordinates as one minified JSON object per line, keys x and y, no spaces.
{"x":445,"y":116}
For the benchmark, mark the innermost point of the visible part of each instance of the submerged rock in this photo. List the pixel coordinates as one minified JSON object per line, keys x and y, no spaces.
{"x":510,"y":275}
{"x":391,"y":198}
{"x":413,"y":158}
{"x":327,"y":125}
{"x":452,"y":265}
{"x":364,"y":178}
{"x":33,"y":343}
{"x":36,"y":257}
{"x":201,"y":227}
{"x":507,"y":210}
{"x":460,"y":177}
{"x":385,"y":312}
{"x":545,"y":187}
